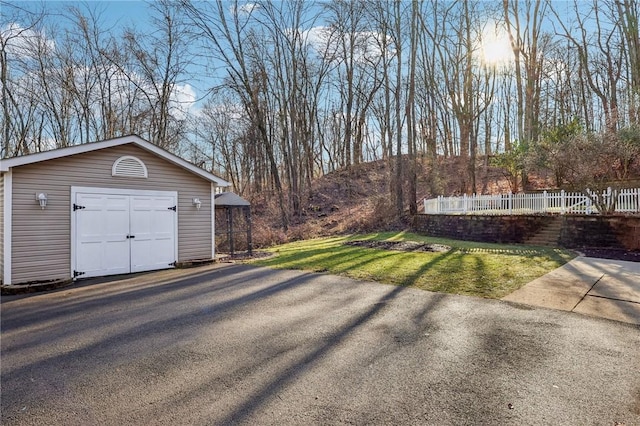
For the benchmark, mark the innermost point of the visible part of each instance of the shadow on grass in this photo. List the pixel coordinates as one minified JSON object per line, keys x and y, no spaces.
{"x":473,"y":274}
{"x":319,"y":259}
{"x":412,"y":279}
{"x":484,"y":270}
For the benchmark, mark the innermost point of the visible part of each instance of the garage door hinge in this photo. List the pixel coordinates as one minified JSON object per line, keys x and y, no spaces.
{"x":172,"y":208}
{"x":77,"y":274}
{"x":77,"y":207}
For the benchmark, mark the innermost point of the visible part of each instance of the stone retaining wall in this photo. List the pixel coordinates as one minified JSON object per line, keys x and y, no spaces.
{"x":620,"y":232}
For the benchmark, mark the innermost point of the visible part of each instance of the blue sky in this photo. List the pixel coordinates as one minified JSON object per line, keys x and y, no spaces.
{"x":112,"y":14}
{"x":121,"y":12}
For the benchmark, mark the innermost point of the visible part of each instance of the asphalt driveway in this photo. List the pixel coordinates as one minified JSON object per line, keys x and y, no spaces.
{"x":235,"y":344}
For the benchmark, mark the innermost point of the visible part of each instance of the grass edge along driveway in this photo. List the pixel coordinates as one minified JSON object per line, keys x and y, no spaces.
{"x":470,"y":268}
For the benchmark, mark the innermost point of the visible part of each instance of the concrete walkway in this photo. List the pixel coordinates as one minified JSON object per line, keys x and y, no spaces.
{"x":597,"y":287}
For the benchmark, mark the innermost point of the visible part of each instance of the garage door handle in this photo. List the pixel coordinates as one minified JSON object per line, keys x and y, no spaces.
{"x":130,"y":236}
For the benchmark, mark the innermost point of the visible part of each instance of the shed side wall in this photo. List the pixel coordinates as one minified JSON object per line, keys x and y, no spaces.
{"x":41,"y":238}
{"x":2,"y":227}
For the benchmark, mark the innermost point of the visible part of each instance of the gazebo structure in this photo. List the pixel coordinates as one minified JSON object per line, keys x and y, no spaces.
{"x":233,"y":223}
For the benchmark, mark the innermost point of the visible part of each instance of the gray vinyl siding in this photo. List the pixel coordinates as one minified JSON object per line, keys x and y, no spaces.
{"x":42,"y":238}
{"x":2,"y":227}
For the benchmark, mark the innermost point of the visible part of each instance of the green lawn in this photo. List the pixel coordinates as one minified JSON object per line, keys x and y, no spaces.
{"x":478,"y":269}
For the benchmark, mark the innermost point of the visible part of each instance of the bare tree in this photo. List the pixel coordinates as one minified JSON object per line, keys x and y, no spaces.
{"x":18,"y":111}
{"x":528,"y":43}
{"x":224,"y":30}
{"x":629,"y":13}
{"x":411,"y":109}
{"x":600,"y":59}
{"x":294,"y":86}
{"x":10,"y":37}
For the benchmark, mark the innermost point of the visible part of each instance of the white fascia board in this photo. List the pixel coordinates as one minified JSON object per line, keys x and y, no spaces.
{"x":182,"y":163}
{"x":8,"y":163}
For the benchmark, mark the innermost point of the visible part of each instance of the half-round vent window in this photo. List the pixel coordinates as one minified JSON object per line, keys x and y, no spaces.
{"x":129,"y":166}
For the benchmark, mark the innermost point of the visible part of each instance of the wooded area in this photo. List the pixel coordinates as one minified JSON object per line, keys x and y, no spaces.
{"x":292,"y":90}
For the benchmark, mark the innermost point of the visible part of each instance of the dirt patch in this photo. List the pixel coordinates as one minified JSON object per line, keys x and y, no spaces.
{"x":400,"y":245}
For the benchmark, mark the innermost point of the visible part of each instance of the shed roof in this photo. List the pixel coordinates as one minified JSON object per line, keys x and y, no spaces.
{"x":8,"y":163}
{"x":229,"y":199}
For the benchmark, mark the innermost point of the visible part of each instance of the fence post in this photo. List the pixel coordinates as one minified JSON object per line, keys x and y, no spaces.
{"x":545,"y":202}
{"x":464,"y":203}
{"x":563,"y":202}
{"x":510,"y":203}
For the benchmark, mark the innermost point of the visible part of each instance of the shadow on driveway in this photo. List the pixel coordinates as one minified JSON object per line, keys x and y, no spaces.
{"x":236,"y":344}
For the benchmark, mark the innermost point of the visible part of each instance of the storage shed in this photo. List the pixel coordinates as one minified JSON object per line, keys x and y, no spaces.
{"x":111,"y":207}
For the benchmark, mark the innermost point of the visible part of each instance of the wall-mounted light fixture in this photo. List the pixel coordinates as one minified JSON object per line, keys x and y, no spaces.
{"x":41,"y":198}
{"x":197,"y":203}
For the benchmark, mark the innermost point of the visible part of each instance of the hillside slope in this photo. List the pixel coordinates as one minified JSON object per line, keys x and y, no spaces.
{"x":357,"y":200}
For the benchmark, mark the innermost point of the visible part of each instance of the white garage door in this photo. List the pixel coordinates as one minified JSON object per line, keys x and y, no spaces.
{"x":123,"y":233}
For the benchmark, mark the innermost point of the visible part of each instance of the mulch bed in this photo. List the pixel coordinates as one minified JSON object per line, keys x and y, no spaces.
{"x":609,"y":253}
{"x":399,"y":245}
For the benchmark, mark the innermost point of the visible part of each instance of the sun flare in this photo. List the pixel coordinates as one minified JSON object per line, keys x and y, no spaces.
{"x":496,"y":48}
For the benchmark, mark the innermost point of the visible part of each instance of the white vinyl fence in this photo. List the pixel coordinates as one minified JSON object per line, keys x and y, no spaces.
{"x":626,"y":201}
